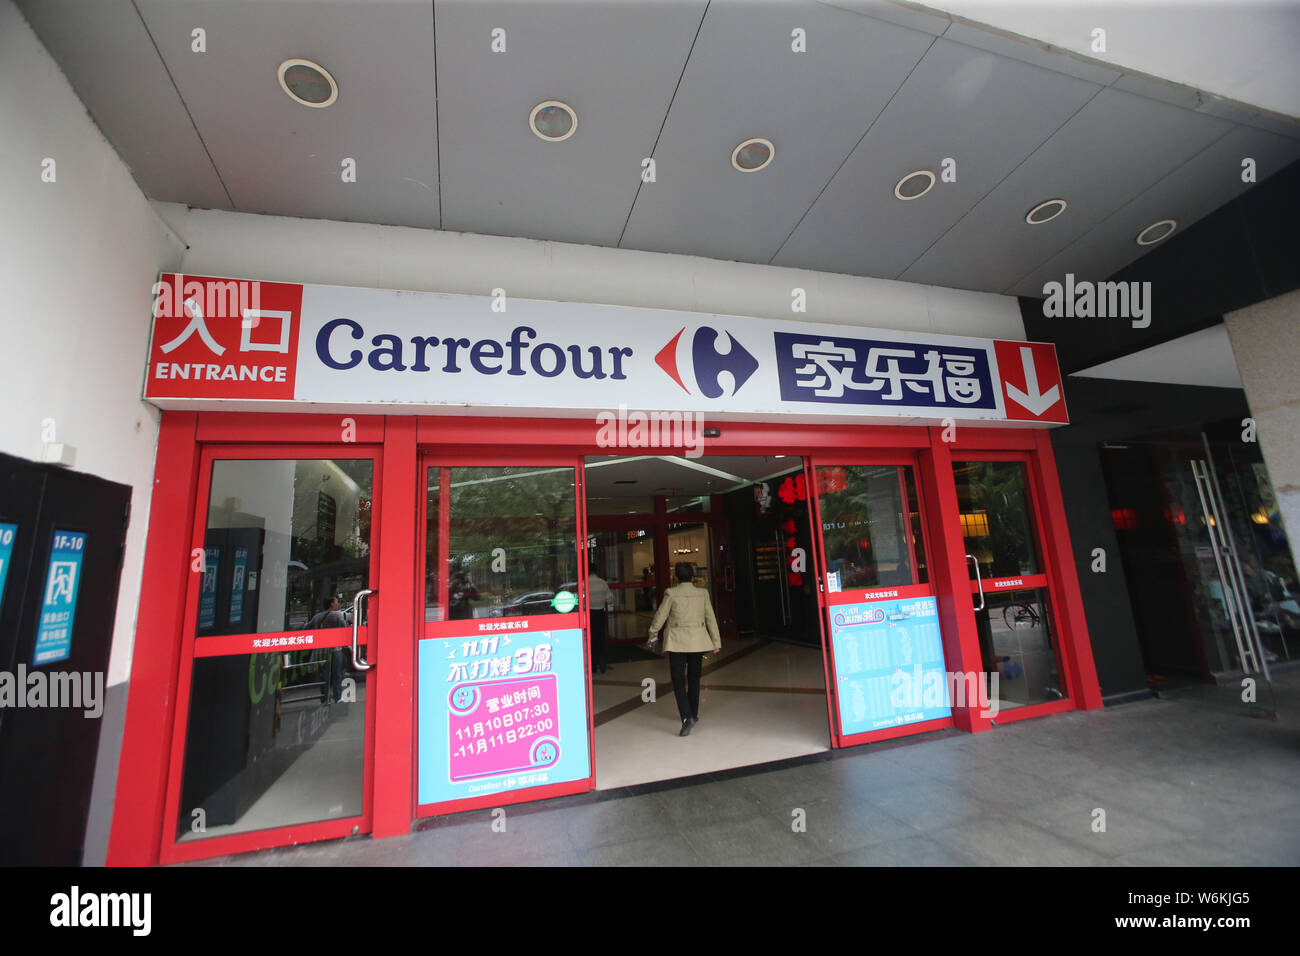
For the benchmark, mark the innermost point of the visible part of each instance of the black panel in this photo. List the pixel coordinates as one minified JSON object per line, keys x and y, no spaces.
{"x":47,"y":754}
{"x":1241,"y":254}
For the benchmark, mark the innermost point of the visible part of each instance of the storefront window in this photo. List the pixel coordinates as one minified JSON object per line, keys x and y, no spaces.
{"x":871,"y":526}
{"x":283,"y":538}
{"x":512,"y":542}
{"x":274,"y":739}
{"x":995,"y":520}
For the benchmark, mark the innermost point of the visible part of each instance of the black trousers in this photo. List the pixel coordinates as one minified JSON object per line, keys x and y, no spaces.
{"x":599,"y":629}
{"x":685,"y":667}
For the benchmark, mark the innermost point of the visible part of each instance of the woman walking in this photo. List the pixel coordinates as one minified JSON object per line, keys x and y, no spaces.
{"x":691,"y":632}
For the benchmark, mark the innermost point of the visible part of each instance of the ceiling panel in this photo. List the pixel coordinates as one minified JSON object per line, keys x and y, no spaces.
{"x":616,"y":64}
{"x":684,"y":476}
{"x":278,"y":156}
{"x":110,"y":60}
{"x":1108,"y":153}
{"x":984,"y":111}
{"x":1207,"y":181}
{"x":743,"y":80}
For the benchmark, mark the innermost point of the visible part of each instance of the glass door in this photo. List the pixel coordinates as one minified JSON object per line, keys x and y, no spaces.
{"x":1009,"y":585}
{"x":272,"y":739}
{"x":884,"y":650}
{"x":503,"y":698}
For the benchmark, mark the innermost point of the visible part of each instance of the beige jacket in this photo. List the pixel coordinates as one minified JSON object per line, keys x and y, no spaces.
{"x":691,"y":625}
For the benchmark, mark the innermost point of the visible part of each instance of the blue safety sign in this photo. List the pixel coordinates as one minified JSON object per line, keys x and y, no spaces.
{"x":59,"y":600}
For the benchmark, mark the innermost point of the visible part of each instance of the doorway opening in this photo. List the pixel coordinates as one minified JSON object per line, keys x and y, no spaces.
{"x":747,"y":535}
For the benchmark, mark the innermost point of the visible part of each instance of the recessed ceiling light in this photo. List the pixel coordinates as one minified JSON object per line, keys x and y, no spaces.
{"x":753,"y":155}
{"x":1156,"y":231}
{"x":1045,"y":212}
{"x":914,"y":185}
{"x":308,"y":83}
{"x":553,"y":121}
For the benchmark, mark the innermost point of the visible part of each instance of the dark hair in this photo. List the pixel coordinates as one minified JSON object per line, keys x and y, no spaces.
{"x":685,"y":571}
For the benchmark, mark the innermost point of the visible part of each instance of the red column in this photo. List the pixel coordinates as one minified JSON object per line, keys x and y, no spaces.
{"x":951,"y":581}
{"x":136,"y":835}
{"x":395,"y":657}
{"x":1075,"y":644}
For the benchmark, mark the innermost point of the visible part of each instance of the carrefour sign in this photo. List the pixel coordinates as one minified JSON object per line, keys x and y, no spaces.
{"x":219,"y":341}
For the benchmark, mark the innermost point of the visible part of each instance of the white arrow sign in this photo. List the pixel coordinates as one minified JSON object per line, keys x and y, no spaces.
{"x":1035,"y":401}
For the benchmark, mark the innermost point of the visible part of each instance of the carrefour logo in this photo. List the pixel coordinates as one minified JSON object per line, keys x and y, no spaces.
{"x":708,"y":362}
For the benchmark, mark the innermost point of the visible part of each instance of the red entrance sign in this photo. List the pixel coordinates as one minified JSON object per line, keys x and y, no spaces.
{"x":223,"y":338}
{"x":1031,"y":382}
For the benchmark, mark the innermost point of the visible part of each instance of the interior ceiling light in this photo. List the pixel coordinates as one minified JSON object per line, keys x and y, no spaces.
{"x":308,"y":83}
{"x":1156,"y":231}
{"x":753,"y":155}
{"x":1045,"y":212}
{"x":915,"y":185}
{"x":553,"y":121}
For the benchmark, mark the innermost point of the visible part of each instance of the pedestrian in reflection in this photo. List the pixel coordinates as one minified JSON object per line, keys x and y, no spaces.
{"x":690,"y":631}
{"x":331,"y":616}
{"x":462,"y":592}
{"x":602,"y":600}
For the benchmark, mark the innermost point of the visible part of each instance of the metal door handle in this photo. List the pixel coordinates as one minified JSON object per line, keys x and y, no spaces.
{"x":979,"y":581}
{"x":358,"y":662}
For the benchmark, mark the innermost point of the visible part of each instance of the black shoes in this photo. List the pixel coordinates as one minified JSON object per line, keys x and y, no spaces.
{"x":687,"y":724}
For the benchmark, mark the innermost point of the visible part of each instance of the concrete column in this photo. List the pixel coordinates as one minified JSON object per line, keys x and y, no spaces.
{"x":1266,"y":342}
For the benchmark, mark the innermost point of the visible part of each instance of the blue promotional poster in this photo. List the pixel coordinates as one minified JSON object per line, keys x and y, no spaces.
{"x":237,"y":586}
{"x":7,"y":534}
{"x":501,"y":710}
{"x":208,"y":592}
{"x":889,"y":664}
{"x":59,"y":601}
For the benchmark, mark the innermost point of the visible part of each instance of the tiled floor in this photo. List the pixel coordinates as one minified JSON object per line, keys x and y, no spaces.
{"x":760,"y":702}
{"x":1181,"y":782}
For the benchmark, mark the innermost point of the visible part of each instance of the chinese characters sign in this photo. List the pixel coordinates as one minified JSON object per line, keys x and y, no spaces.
{"x":59,"y":599}
{"x":887,"y":653}
{"x":815,"y":368}
{"x":216,"y":338}
{"x":500,"y":712}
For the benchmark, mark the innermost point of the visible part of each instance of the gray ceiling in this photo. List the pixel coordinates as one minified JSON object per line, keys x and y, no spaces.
{"x":437,"y":125}
{"x":622,"y":476}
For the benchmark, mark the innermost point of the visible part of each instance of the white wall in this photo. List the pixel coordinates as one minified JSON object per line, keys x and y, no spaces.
{"x":77,"y":259}
{"x":273,"y":248}
{"x":1244,"y":50}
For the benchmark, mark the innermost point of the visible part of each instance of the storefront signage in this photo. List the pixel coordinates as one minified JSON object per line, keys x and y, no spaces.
{"x":290,"y":345}
{"x":501,"y":713}
{"x":889,"y":664}
{"x":59,"y":600}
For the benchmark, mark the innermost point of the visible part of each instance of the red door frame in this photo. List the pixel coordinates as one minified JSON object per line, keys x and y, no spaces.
{"x":954,"y":639}
{"x":143,"y":768}
{"x":236,"y":644}
{"x":433,"y":457}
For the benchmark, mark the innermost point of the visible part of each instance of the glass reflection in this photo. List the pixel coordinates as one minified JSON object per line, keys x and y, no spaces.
{"x":868,"y":531}
{"x":512,"y":545}
{"x":283,"y":538}
{"x":273,"y":739}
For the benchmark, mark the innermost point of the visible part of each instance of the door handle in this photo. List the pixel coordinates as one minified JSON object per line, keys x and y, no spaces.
{"x":358,"y":662}
{"x":979,"y":581}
